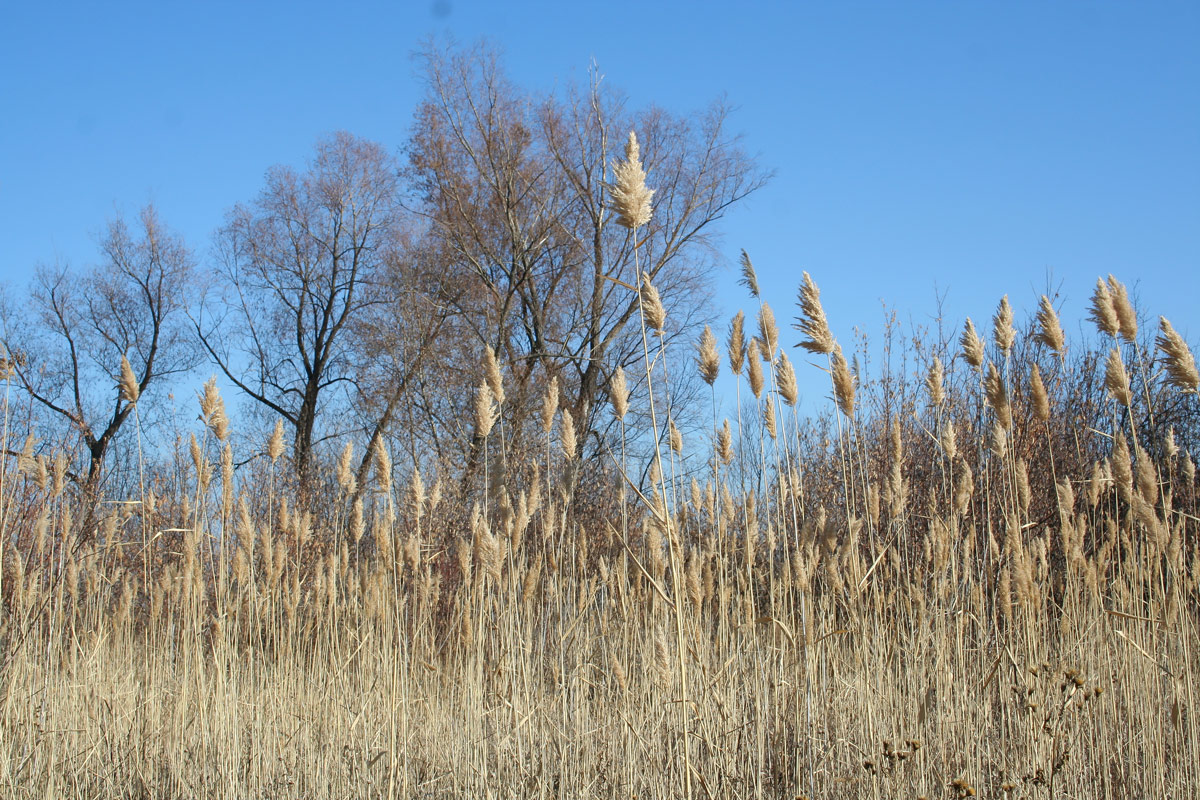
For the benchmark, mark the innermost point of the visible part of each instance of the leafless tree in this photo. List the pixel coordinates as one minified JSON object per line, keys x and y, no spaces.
{"x":514,"y":189}
{"x":300,"y":267}
{"x":67,"y":343}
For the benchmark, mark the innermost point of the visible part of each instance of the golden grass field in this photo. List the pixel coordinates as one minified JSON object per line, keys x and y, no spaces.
{"x":951,"y":584}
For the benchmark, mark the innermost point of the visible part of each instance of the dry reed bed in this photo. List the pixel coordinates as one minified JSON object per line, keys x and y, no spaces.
{"x":956,"y":584}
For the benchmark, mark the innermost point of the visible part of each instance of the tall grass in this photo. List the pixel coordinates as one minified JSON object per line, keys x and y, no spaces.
{"x":975,"y":577}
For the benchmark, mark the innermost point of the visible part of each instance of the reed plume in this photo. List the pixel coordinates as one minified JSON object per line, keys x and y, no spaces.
{"x":785,"y":378}
{"x":749,"y":277}
{"x":652,"y":307}
{"x":1127,"y":324}
{"x":1102,"y":311}
{"x":1003,"y":332}
{"x":1177,"y":358}
{"x":737,"y":343}
{"x":709,"y":360}
{"x":1116,"y":379}
{"x":630,"y":197}
{"x":843,"y":382}
{"x":1049,"y":332}
{"x":972,"y":345}
{"x":811,"y":322}
{"x":130,"y":391}
{"x":618,"y":392}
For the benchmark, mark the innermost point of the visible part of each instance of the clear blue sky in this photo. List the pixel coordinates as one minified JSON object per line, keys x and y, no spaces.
{"x":973,"y":146}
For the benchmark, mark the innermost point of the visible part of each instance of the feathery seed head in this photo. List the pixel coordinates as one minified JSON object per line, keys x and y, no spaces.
{"x":1050,"y":332}
{"x":935,"y":382}
{"x":754,"y":370}
{"x":345,"y":470}
{"x":843,"y":382}
{"x":785,"y":376}
{"x":1038,"y":396}
{"x":1177,"y":358}
{"x":1003,"y":332}
{"x":1116,"y":379}
{"x":275,"y":443}
{"x":129,"y":383}
{"x":1126,"y":315}
{"x":550,"y":405}
{"x":749,"y":278}
{"x":997,"y":396}
{"x":618,"y":392}
{"x":652,"y":307}
{"x":709,"y":359}
{"x":485,"y":409}
{"x":628,"y":192}
{"x":737,"y":343}
{"x":1103,"y":311}
{"x":812,"y":322}
{"x":768,"y":332}
{"x":491,"y":370}
{"x":972,"y":345}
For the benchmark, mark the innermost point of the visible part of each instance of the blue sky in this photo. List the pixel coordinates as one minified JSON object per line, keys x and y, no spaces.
{"x":968,"y":148}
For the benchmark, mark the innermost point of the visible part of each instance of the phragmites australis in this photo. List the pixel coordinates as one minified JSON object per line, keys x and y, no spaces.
{"x":754,"y":368}
{"x":997,"y":397}
{"x":1038,"y":396}
{"x":630,"y":197}
{"x":129,"y":383}
{"x":1177,"y":358}
{"x":1127,"y":324}
{"x":737,"y":343}
{"x":812,"y":322}
{"x":491,"y":370}
{"x":570,"y":443}
{"x":1003,"y":332}
{"x":485,"y":409}
{"x":1049,"y":332}
{"x":935,"y":382}
{"x":676,"y":437}
{"x":709,"y":360}
{"x":345,"y":470}
{"x":785,"y":377}
{"x":1102,"y":311}
{"x":652,"y":307}
{"x":618,"y":392}
{"x":725,"y":444}
{"x":768,"y":333}
{"x":768,"y":412}
{"x":383,"y":466}
{"x":212,"y":408}
{"x":550,"y":405}
{"x":749,"y":277}
{"x":843,"y":382}
{"x":1116,"y":379}
{"x":275,"y":443}
{"x":972,"y":345}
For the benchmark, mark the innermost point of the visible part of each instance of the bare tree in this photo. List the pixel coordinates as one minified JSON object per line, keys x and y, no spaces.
{"x":299,"y":269}
{"x":67,"y":344}
{"x":514,"y":189}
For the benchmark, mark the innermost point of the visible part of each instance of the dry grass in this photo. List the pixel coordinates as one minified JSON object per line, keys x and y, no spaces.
{"x":954,"y":583}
